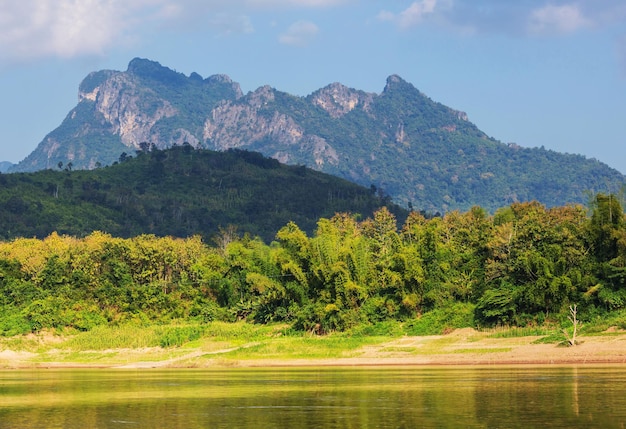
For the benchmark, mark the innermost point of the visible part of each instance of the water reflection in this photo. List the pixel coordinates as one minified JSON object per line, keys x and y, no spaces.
{"x":316,"y":397}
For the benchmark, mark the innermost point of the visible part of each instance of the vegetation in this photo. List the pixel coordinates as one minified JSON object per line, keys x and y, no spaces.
{"x":525,"y":266}
{"x":178,"y":192}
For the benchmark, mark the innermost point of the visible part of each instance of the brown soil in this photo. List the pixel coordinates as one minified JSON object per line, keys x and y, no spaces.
{"x":469,"y":347}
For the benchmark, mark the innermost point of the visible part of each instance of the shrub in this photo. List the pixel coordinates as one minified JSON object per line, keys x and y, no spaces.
{"x":441,"y":320}
{"x":179,"y":335}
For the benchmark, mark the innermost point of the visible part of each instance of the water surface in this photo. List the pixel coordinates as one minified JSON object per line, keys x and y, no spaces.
{"x":417,"y":397}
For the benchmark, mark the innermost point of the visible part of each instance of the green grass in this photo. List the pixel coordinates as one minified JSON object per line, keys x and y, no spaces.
{"x":517,"y":332}
{"x":399,"y":349}
{"x":115,"y":337}
{"x":134,"y":336}
{"x":21,"y":343}
{"x":616,"y":319}
{"x":304,"y":347}
{"x":442,"y":320}
{"x":555,"y":337}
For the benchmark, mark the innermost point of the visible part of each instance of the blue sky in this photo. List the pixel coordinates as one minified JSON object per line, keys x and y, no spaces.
{"x":546,"y":73}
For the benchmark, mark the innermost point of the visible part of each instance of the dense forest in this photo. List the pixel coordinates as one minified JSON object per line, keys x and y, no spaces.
{"x":180,"y":192}
{"x":525,"y":265}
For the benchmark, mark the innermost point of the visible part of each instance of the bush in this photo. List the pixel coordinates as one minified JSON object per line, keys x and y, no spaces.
{"x":441,"y":320}
{"x":45,"y":313}
{"x":177,"y":336}
{"x":496,"y":306}
{"x":390,"y":328}
{"x":14,"y":324}
{"x":378,"y":308}
{"x":209,"y":311}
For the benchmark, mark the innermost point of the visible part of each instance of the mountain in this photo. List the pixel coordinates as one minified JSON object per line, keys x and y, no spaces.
{"x":5,"y":166}
{"x":180,"y":192}
{"x":420,"y":152}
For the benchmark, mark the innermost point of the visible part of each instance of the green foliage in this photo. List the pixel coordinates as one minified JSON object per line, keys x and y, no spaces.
{"x":442,"y":320}
{"x":388,"y":328}
{"x":178,"y":192}
{"x":524,"y":331}
{"x":523,"y":268}
{"x":13,"y":323}
{"x":179,"y":335}
{"x":496,"y":306}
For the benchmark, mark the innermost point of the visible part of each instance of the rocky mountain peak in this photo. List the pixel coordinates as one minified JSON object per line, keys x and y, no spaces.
{"x":90,"y":86}
{"x":398,"y":86}
{"x":142,"y":66}
{"x":394,"y":81}
{"x":154,"y":71}
{"x":261,"y":97}
{"x":338,"y":99}
{"x":222,"y":79}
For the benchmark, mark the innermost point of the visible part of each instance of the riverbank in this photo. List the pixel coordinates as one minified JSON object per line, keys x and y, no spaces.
{"x":461,"y":347}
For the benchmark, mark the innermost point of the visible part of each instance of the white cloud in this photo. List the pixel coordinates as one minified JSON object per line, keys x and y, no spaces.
{"x":411,"y":16}
{"x":31,"y":29}
{"x":297,"y":3}
{"x":551,"y":19}
{"x":227,"y":24}
{"x":416,"y":12}
{"x":300,"y":33}
{"x":68,"y":28}
{"x":514,"y":18}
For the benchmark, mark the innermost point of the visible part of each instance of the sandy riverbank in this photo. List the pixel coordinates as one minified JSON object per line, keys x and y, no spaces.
{"x":461,"y":347}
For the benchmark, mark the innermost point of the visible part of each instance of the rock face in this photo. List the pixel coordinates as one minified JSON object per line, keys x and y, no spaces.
{"x":248,"y":121}
{"x":235,"y":124}
{"x":121,"y":101}
{"x":338,"y":100}
{"x":414,"y":149}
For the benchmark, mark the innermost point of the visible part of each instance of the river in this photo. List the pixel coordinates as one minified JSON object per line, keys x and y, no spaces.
{"x":391,"y":397}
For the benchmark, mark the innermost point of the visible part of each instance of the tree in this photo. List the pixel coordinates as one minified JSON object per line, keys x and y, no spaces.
{"x":607,"y":240}
{"x":576,"y":325}
{"x":539,"y":256}
{"x":607,"y":219}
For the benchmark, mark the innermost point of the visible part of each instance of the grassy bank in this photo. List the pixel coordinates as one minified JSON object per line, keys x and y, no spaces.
{"x":111,"y":345}
{"x":243,"y":344}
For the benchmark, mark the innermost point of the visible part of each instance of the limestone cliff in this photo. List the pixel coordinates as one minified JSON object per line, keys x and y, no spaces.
{"x":253,"y":119}
{"x":407,"y":145}
{"x":129,"y":109}
{"x":338,"y":100}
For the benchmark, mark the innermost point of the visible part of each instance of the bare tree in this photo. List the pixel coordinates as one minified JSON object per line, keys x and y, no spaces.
{"x":576,"y":325}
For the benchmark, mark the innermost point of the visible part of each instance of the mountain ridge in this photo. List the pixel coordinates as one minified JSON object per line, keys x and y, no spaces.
{"x":419,"y":151}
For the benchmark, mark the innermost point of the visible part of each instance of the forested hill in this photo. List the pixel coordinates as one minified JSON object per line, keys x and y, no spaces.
{"x":179,"y":192}
{"x":415,"y":149}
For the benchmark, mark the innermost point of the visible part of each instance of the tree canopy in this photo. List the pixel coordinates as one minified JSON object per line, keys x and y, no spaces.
{"x":527,"y":264}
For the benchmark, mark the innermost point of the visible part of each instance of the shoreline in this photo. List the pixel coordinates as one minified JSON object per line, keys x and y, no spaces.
{"x":464,"y":347}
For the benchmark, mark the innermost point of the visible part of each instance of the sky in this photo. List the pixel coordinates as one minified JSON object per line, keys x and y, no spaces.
{"x":548,"y":73}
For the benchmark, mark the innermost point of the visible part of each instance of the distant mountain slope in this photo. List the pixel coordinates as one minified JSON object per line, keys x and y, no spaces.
{"x":5,"y":166}
{"x":179,"y":192}
{"x":420,"y":152}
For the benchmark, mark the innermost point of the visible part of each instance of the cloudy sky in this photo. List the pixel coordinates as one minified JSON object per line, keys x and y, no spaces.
{"x":546,"y":73}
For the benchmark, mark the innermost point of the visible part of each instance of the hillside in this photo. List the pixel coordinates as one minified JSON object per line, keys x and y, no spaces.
{"x":420,"y":152}
{"x":5,"y":166}
{"x":179,"y":192}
